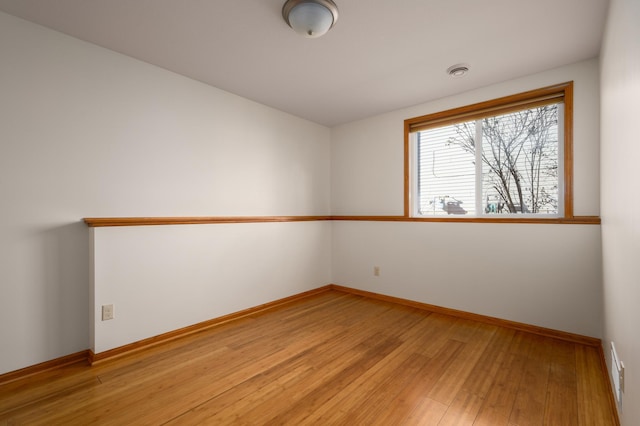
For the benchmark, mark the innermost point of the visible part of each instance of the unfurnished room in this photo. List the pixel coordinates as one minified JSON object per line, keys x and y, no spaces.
{"x":419,"y":212}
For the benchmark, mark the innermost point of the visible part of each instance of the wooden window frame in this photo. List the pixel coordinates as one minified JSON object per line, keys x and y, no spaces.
{"x":530,"y":99}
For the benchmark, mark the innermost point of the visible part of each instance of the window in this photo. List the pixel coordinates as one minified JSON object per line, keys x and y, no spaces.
{"x":506,"y":158}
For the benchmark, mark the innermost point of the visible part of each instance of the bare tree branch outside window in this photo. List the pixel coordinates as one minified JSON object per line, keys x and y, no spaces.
{"x":519,"y":159}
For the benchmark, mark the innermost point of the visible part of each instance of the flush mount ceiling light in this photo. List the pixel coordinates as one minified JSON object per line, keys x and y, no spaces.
{"x":458,"y":70}
{"x":311,"y":18}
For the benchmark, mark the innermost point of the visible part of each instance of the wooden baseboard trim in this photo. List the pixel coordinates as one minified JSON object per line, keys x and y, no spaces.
{"x":547,"y":332}
{"x":610,"y":392}
{"x":185,"y":331}
{"x":54,"y":364}
{"x":93,"y":358}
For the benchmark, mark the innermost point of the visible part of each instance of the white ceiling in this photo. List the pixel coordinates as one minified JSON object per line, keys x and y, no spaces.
{"x":380,"y":56}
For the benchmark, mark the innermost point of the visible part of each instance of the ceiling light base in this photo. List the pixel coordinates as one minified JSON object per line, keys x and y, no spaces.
{"x":458,"y":70}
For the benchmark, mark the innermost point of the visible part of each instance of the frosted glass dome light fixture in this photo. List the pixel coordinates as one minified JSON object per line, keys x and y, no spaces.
{"x":311,"y":18}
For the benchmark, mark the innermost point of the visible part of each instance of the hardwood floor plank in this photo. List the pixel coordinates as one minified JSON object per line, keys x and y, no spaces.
{"x":322,"y":362}
{"x":376,"y":408}
{"x":463,"y":410}
{"x":408,"y":405}
{"x":446,"y":389}
{"x":528,"y":408}
{"x":437,"y":333}
{"x":502,"y":406}
{"x":338,"y":381}
{"x":561,"y":404}
{"x":42,"y":387}
{"x":427,"y":412}
{"x":428,"y":333}
{"x":45,"y":395}
{"x":331,"y":387}
{"x":383,"y":394}
{"x":193,"y":371}
{"x":591,"y":388}
{"x":359,"y":337}
{"x":499,"y":401}
{"x":332,"y":358}
{"x":471,"y":396}
{"x":483,"y":374}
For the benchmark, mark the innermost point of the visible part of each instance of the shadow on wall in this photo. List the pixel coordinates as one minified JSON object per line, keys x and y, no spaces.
{"x":65,"y":278}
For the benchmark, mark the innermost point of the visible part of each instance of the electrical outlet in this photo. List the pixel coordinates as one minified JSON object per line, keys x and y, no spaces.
{"x":376,"y":271}
{"x":107,"y":312}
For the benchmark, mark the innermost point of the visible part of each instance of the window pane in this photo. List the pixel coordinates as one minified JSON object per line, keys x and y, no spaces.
{"x":520,"y":162}
{"x":508,"y":157}
{"x":446,"y":171}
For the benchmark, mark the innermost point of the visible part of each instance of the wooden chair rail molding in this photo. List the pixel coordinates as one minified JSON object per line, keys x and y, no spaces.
{"x":96,"y":222}
{"x":576,"y":220}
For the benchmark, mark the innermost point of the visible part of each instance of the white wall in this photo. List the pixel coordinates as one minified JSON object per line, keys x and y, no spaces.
{"x":367,"y":166}
{"x":535,"y":274}
{"x":620,"y":92}
{"x":164,"y":278}
{"x":86,"y":132}
{"x":552,"y":273}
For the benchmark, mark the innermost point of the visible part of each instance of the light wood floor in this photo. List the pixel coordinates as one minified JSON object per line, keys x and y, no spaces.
{"x":333,"y":358}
